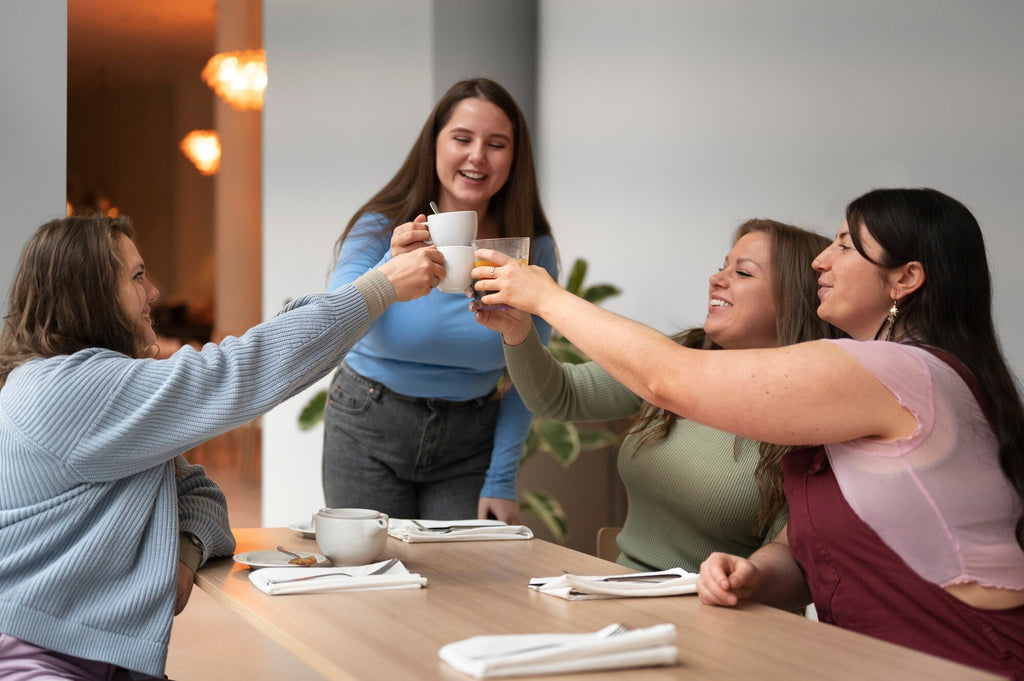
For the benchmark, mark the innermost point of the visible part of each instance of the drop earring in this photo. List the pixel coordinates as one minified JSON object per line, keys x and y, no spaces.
{"x":890,"y":321}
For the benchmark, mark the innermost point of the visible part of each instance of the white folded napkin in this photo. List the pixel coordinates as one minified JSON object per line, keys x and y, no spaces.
{"x":278,"y":581}
{"x":455,"y":530}
{"x":674,"y":582}
{"x":541,"y":654}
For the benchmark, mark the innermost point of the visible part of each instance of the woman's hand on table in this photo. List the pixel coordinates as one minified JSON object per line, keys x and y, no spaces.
{"x":726,"y":579}
{"x":505,"y":510}
{"x":410,"y":236}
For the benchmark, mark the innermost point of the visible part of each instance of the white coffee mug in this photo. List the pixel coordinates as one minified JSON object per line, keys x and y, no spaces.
{"x":458,"y":263}
{"x":347,"y":512}
{"x":350,"y":536}
{"x":457,"y":228}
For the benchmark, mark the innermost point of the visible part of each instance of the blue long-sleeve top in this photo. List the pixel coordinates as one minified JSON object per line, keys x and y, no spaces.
{"x":433,"y":347}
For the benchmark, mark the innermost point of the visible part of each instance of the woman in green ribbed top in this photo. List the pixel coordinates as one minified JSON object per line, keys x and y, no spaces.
{"x":692,"y":489}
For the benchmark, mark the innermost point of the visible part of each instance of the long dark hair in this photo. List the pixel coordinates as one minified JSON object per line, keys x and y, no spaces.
{"x":952,"y":310}
{"x":65,"y":294}
{"x":516,"y":206}
{"x":795,"y":293}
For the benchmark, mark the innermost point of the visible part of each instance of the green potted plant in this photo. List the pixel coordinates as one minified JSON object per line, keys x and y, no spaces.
{"x":563,"y":441}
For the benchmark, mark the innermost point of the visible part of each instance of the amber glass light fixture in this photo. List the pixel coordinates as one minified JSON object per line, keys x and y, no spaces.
{"x":202,"y":147}
{"x":238,"y":77}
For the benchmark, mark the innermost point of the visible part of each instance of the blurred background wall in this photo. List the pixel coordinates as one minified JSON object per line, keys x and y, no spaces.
{"x":32,"y":125}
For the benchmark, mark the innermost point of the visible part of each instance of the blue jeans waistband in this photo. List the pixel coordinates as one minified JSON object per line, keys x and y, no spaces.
{"x":382,"y":390}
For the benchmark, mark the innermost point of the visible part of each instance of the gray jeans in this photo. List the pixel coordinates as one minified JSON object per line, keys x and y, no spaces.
{"x":409,"y":457}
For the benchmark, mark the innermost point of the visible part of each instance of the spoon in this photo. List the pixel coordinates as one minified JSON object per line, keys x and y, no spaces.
{"x":303,"y":560}
{"x":433,"y":207}
{"x":290,"y":553}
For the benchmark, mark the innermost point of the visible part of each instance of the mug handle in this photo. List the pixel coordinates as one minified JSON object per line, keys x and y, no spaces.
{"x":382,"y":520}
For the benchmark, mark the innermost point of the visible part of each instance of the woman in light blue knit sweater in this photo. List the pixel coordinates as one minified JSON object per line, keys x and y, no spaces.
{"x":102,"y":522}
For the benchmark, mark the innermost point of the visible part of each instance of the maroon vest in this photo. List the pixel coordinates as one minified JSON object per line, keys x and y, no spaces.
{"x":860,"y":584}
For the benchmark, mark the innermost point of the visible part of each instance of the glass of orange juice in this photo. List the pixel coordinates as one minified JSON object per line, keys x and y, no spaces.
{"x":517,"y":247}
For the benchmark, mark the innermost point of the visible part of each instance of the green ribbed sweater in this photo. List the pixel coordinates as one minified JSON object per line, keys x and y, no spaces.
{"x":689,"y":494}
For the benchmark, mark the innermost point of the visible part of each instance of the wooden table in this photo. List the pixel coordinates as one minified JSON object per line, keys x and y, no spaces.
{"x":481,"y":588}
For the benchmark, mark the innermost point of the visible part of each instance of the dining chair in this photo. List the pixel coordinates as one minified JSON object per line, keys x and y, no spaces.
{"x":607,"y":549}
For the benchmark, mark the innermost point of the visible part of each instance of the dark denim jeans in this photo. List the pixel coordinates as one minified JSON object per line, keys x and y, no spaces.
{"x":405,"y":456}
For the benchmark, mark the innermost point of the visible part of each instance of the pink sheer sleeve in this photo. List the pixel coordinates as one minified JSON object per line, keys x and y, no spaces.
{"x":938,"y":498}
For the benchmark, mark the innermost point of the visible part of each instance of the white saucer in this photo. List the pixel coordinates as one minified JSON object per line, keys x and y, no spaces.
{"x":305,"y":529}
{"x":265,"y":559}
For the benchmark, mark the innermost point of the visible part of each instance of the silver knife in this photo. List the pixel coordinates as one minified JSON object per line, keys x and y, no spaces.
{"x":449,"y":528}
{"x":379,"y":571}
{"x":648,"y":577}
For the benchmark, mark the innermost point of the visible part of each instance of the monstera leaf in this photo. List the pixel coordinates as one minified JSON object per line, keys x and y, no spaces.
{"x":547,"y":510}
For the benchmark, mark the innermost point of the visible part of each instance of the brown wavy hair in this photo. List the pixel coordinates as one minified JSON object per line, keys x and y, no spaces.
{"x":516,"y":206}
{"x":65,"y":293}
{"x":795,"y":292}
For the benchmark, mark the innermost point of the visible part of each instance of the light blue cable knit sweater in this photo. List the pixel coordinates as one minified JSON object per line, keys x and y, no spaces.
{"x":89,"y":502}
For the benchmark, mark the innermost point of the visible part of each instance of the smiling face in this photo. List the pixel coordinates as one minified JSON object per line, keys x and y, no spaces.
{"x":854,"y":293}
{"x":741,"y":309}
{"x":475,"y":150}
{"x":134,"y":290}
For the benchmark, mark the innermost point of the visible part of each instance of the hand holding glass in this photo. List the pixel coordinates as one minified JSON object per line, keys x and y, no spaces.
{"x":517,"y":247}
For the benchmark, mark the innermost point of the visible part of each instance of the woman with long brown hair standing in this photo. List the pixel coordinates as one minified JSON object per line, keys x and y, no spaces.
{"x":414,"y":425}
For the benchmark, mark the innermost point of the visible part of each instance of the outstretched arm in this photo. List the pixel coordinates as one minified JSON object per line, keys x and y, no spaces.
{"x":799,"y":394}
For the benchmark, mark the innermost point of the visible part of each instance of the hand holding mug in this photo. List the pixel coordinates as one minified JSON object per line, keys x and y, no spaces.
{"x":410,"y":236}
{"x":415,"y":273}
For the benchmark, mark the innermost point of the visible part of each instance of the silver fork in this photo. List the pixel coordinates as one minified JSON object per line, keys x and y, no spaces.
{"x":607,"y":632}
{"x":449,"y":528}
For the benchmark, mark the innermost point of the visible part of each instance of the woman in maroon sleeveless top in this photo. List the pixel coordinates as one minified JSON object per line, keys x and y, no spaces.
{"x":907,"y":517}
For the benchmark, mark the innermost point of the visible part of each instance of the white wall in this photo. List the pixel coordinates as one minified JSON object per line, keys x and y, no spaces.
{"x":660,"y":126}
{"x":665,"y":124}
{"x":349,"y":87}
{"x":33,"y":120}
